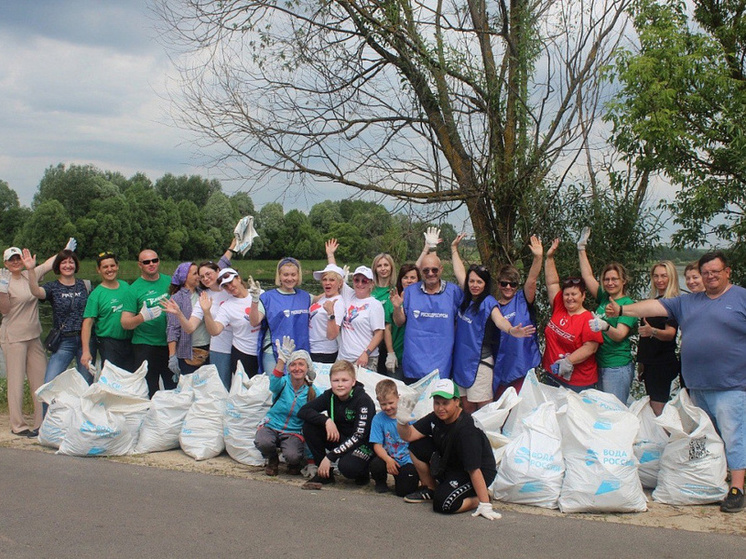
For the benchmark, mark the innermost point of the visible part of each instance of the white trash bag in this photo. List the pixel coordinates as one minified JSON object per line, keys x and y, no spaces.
{"x":201,"y":434}
{"x":533,"y":393}
{"x":598,"y":435}
{"x":491,"y":417}
{"x":124,"y":381}
{"x":245,"y":408}
{"x":162,"y":424}
{"x":650,"y":442}
{"x":693,"y":465}
{"x":532,"y":466}
{"x":62,"y":395}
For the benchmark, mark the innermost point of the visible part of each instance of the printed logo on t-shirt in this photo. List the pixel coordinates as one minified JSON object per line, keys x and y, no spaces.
{"x":464,"y":317}
{"x":557,"y":330}
{"x":314,"y":309}
{"x":423,"y":314}
{"x":352,"y":313}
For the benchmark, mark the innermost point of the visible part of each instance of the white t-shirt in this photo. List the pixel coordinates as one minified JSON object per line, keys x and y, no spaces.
{"x":222,"y":342}
{"x":362,"y":317}
{"x":234,"y":314}
{"x":319,"y":319}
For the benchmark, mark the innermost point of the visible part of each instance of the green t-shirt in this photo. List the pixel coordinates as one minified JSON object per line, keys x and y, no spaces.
{"x":382,"y":294}
{"x":611,"y":353}
{"x":151,"y":293}
{"x":105,"y":307}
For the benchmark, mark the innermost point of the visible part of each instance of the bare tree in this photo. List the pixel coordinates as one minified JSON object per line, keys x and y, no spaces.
{"x":475,"y":102}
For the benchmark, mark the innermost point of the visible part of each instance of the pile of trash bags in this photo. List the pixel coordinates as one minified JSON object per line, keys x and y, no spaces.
{"x":584,"y":452}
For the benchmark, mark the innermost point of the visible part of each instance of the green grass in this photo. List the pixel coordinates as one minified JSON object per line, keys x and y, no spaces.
{"x":28,"y":404}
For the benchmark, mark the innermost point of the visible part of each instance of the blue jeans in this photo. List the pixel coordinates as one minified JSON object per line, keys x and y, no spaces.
{"x":70,"y":348}
{"x":727,"y":409}
{"x":617,"y":380}
{"x":222,"y":362}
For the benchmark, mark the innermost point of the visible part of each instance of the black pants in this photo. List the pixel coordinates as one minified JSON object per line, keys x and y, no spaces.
{"x":250,"y":362}
{"x":352,"y":464}
{"x":324,"y":357}
{"x":157,"y":358}
{"x":117,"y":352}
{"x":405,"y":482}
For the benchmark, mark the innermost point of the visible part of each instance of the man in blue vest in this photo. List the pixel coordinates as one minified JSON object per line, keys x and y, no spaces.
{"x":429,"y":311}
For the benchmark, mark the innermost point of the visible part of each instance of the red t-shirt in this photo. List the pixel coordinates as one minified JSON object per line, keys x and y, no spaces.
{"x":564,"y":334}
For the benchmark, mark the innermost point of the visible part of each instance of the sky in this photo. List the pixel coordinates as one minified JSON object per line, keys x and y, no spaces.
{"x":86,"y":82}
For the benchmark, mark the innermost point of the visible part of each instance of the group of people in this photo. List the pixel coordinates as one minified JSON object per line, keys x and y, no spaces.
{"x":404,"y":325}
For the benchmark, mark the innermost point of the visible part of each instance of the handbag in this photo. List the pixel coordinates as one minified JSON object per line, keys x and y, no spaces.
{"x":53,"y":339}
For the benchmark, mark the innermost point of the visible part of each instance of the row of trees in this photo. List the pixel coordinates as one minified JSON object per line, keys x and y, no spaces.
{"x":189,"y":217}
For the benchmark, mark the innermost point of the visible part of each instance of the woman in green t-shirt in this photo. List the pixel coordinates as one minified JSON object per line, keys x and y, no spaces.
{"x":616,"y":366}
{"x":384,"y":281}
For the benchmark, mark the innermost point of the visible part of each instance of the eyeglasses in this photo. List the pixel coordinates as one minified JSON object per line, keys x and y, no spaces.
{"x":512,"y":284}
{"x":14,"y":258}
{"x":360,"y":279}
{"x":151,"y":261}
{"x":426,"y":271}
{"x":712,"y":273}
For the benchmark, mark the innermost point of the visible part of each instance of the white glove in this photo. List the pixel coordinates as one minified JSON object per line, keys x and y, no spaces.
{"x":405,"y":409}
{"x":254,"y":290}
{"x":4,"y":280}
{"x":150,"y":313}
{"x":244,"y":234}
{"x":486,"y":510}
{"x":432,"y":236}
{"x":173,"y":366}
{"x":285,"y":348}
{"x":345,"y":274}
{"x":72,"y":244}
{"x":583,"y":240}
{"x":598,"y":324}
{"x":563,"y":368}
{"x":391,"y":362}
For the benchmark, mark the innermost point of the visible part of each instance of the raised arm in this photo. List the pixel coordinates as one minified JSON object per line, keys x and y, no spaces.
{"x":29,"y":262}
{"x":529,"y":286}
{"x":213,"y":327}
{"x":504,"y":324}
{"x":641,"y":309}
{"x":331,"y":247}
{"x":255,"y":315}
{"x":586,"y":271}
{"x":550,"y":272}
{"x":432,"y":240}
{"x":458,"y":265}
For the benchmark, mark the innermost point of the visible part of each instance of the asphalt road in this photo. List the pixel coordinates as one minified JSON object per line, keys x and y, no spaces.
{"x":59,"y":506}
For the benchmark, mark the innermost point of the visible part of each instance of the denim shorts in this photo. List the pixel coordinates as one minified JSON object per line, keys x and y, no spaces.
{"x":727,"y":409}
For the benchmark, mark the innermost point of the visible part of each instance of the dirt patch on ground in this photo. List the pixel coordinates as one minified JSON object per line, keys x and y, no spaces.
{"x":695,"y":518}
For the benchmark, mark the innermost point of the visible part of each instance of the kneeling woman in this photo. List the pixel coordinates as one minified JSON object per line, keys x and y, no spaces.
{"x":282,"y":427}
{"x":452,"y":455}
{"x":341,"y":433}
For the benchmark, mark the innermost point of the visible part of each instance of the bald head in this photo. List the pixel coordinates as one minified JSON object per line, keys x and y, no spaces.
{"x":431,"y":269}
{"x":149,"y":263}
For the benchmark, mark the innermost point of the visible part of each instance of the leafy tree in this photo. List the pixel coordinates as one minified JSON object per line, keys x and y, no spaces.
{"x":681,"y":112}
{"x":243,"y":204}
{"x":468,"y":102}
{"x":193,"y":188}
{"x":12,"y":215}
{"x":75,"y":188}
{"x":269,"y":222}
{"x":47,"y":229}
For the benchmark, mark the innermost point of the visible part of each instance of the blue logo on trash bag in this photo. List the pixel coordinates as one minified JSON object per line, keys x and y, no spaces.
{"x":532,"y":487}
{"x":650,"y":456}
{"x":591,"y":457}
{"x":602,"y":425}
{"x":523,"y":455}
{"x":608,"y":486}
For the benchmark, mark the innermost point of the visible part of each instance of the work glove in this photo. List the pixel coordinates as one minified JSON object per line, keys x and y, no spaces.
{"x":345,"y":273}
{"x":285,"y":348}
{"x":391,"y":362}
{"x":150,"y":313}
{"x":405,"y":409}
{"x":244,"y":234}
{"x":598,"y":324}
{"x":563,"y":368}
{"x":4,"y":280}
{"x":432,"y":235}
{"x":583,"y":239}
{"x":486,"y":510}
{"x":255,"y":290}
{"x":72,"y":244}
{"x":173,"y":366}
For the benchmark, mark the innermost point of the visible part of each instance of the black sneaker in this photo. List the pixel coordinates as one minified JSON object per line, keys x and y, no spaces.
{"x":33,"y":433}
{"x":362,"y":480}
{"x":422,"y":495}
{"x":733,"y":501}
{"x":382,"y":487}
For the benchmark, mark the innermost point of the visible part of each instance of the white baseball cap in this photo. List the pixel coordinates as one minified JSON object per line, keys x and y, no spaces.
{"x":364,"y":271}
{"x":319,"y":275}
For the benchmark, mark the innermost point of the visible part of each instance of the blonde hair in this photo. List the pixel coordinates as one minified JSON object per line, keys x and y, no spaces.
{"x":391,"y":282}
{"x":343,"y":366}
{"x":288,"y":261}
{"x":672,"y":289}
{"x":386,"y":387}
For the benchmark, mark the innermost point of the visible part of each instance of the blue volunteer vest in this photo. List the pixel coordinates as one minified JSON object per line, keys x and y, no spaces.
{"x":430,"y":331}
{"x":286,"y":315}
{"x":471,"y":326}
{"x":516,"y":356}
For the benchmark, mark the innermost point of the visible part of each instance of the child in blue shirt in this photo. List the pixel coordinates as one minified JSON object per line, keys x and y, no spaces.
{"x":391,"y":452}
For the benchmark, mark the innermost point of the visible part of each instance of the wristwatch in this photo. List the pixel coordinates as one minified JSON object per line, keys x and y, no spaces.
{"x":368,"y":351}
{"x":332,"y":317}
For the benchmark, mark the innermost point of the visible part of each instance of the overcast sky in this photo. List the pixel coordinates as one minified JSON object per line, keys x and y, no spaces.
{"x":85,"y":82}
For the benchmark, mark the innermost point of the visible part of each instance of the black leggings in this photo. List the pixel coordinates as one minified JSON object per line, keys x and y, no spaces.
{"x":352,"y":464}
{"x":157,"y":358}
{"x":250,"y":362}
{"x":405,"y":482}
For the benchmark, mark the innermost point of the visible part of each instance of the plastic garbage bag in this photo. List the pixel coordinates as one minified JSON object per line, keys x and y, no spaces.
{"x":245,"y":408}
{"x":62,"y":395}
{"x":650,"y":442}
{"x":201,"y":434}
{"x":162,"y":424}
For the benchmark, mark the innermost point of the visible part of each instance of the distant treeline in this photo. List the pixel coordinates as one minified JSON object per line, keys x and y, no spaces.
{"x":189,"y":217}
